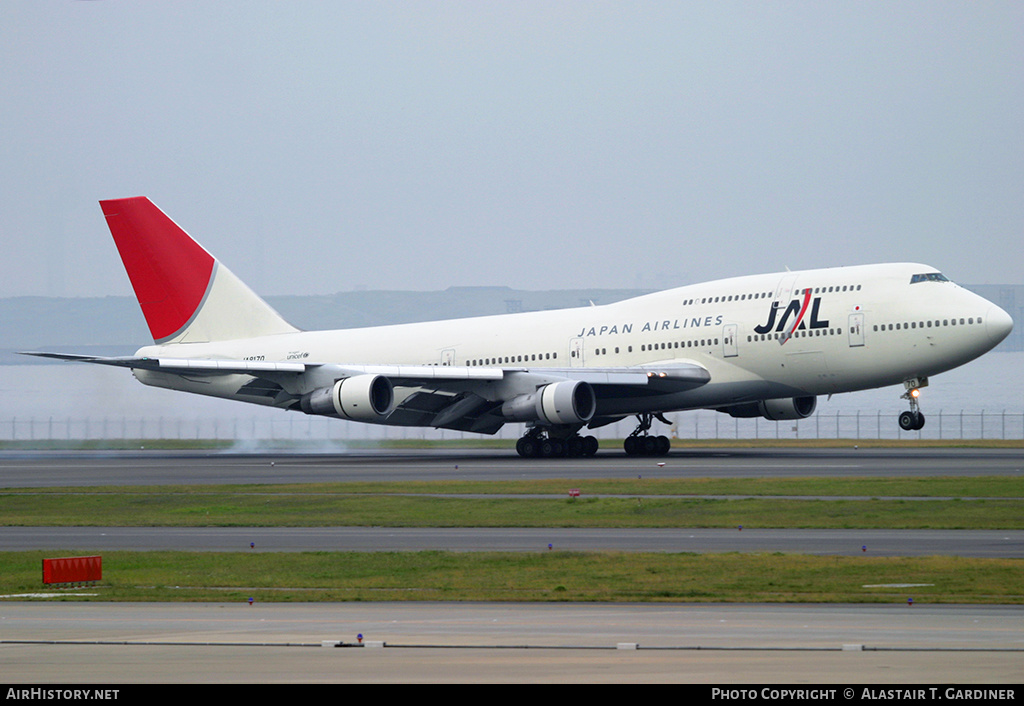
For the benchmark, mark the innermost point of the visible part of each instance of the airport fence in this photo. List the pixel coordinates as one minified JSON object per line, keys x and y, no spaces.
{"x":703,"y":424}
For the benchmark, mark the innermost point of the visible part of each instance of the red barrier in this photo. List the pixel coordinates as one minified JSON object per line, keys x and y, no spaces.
{"x":73,"y":569}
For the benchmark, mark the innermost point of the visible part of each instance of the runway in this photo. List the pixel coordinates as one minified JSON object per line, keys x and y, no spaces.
{"x":81,"y":643}
{"x":41,"y":470}
{"x":160,"y":468}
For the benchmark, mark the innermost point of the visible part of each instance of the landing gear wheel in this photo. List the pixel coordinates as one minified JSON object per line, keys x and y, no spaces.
{"x":663,"y":445}
{"x":907,"y":421}
{"x":574,"y":446}
{"x":527,"y":447}
{"x":547,"y":442}
{"x":630,"y":445}
{"x":649,"y":444}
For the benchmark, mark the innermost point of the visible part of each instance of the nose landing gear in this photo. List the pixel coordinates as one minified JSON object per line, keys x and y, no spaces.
{"x":912,"y":420}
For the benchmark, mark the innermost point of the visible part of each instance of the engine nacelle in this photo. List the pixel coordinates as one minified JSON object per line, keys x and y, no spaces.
{"x":776,"y":410}
{"x":567,"y":402}
{"x":362,"y":398}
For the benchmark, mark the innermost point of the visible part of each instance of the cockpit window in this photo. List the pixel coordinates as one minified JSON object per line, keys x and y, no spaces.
{"x":929,"y":277}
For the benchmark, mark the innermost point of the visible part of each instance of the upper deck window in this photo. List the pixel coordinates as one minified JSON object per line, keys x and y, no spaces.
{"x":929,"y":277}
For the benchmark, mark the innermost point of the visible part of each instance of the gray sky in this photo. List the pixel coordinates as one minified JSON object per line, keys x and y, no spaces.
{"x":319,"y":146}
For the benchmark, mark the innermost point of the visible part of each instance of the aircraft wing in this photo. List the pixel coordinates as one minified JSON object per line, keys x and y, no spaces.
{"x":450,"y":397}
{"x":179,"y":365}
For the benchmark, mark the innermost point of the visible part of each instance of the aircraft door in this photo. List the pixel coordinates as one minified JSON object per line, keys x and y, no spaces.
{"x":785,"y":291}
{"x":448,"y":356}
{"x":856,"y":330}
{"x":730,"y":346}
{"x":576,"y":352}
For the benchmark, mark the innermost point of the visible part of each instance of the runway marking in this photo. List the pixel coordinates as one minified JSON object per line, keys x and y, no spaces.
{"x":49,"y":595}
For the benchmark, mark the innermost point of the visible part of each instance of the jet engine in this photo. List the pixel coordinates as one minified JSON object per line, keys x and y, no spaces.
{"x":776,"y":410}
{"x":567,"y":402}
{"x":363,"y":398}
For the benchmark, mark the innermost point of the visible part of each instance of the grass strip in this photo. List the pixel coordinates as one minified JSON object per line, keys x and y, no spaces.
{"x":333,"y":510}
{"x":921,"y":487}
{"x":548,"y":576}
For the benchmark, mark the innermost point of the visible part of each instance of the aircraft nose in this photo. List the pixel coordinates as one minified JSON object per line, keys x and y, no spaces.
{"x":998,"y":324}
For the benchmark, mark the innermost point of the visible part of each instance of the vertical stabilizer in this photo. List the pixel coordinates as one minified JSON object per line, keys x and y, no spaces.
{"x":186,"y":295}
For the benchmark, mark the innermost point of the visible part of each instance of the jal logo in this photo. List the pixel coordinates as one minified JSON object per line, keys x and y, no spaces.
{"x":797,"y":308}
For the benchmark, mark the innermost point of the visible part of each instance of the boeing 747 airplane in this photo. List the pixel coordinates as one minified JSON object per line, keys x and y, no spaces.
{"x":762,"y":345}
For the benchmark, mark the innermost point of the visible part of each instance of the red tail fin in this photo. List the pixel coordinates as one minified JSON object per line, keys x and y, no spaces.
{"x":186,"y":295}
{"x":169,"y":271}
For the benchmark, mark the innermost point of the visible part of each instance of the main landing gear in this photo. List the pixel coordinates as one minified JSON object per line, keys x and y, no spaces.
{"x":540,"y":442}
{"x":640,"y":443}
{"x":912,"y":420}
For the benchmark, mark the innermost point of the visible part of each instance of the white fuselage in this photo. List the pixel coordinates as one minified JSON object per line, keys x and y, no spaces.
{"x":859,"y":327}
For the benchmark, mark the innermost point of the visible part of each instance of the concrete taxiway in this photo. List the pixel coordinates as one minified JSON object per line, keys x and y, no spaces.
{"x":555,"y":643}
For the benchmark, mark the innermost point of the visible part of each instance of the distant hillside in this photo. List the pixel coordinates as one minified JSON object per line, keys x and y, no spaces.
{"x":378,"y":308}
{"x":114,"y":325}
